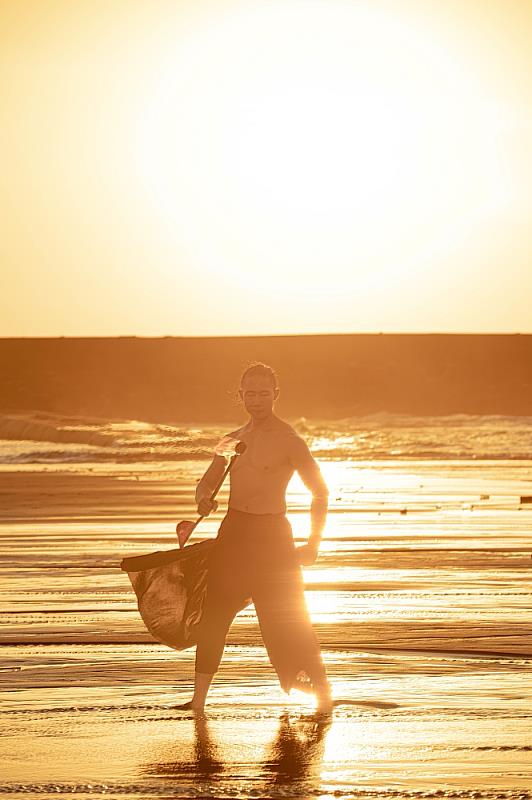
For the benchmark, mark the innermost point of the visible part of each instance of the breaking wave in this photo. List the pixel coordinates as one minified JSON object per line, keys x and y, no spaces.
{"x":39,"y":437}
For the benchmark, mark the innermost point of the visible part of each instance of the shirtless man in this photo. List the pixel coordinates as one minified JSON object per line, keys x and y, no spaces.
{"x":254,"y":550}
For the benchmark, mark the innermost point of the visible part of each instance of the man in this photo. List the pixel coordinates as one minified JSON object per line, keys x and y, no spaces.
{"x":254,"y":554}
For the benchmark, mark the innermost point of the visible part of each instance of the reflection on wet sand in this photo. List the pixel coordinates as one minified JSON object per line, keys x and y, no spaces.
{"x":294,"y":756}
{"x":204,"y":764}
{"x":297,"y":752}
{"x":430,"y":609}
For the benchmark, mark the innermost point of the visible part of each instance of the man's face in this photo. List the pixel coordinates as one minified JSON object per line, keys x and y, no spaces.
{"x":258,"y":395}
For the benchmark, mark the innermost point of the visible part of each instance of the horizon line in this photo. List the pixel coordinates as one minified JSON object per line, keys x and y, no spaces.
{"x":270,"y":335}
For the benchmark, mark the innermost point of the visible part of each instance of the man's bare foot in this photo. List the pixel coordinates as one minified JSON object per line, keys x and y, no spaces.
{"x":190,"y":706}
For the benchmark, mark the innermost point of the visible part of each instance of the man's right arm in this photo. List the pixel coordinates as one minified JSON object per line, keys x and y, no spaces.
{"x":207,"y":485}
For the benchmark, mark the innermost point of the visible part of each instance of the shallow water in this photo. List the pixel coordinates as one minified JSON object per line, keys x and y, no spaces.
{"x":421,"y":596}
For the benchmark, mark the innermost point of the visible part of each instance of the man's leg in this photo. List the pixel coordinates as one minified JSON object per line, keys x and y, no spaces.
{"x":287,"y":631}
{"x":322,"y":687}
{"x":223,"y":600}
{"x":202,"y":684}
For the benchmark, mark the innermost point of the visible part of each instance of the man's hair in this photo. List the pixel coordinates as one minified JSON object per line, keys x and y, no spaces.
{"x":258,"y":369}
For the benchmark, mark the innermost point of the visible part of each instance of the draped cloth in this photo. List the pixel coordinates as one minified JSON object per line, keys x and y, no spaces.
{"x":171,"y":588}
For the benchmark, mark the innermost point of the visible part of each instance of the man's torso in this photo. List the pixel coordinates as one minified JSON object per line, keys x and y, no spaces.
{"x":259,"y":476}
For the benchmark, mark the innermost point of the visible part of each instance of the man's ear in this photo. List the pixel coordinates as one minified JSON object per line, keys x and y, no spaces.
{"x":241,"y":395}
{"x":275,"y":393}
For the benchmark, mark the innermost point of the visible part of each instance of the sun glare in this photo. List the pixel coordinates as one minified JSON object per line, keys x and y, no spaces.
{"x":327,"y":143}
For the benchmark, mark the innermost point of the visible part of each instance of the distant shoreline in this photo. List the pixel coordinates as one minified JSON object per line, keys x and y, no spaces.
{"x":321,"y":375}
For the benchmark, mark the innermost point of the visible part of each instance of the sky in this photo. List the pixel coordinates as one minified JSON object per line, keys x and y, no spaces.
{"x":198,"y":168}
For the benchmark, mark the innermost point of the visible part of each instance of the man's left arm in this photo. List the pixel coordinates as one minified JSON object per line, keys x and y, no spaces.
{"x":311,"y":476}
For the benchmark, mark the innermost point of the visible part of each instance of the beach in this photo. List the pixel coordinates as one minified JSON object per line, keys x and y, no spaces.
{"x":421,"y":597}
{"x":218,"y":218}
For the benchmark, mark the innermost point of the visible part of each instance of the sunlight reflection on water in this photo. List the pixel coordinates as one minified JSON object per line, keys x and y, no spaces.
{"x":430,"y":609}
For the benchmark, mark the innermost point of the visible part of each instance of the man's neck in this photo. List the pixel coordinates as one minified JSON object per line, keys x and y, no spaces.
{"x":255,"y":424}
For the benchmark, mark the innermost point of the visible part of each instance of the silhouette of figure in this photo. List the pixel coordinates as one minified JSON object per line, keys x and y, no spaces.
{"x":297,"y":752}
{"x":254,"y":555}
{"x":293,"y":759}
{"x":205,"y":765}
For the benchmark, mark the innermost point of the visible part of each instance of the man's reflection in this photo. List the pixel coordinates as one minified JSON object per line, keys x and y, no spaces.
{"x":297,"y":751}
{"x":295,"y":755}
{"x":205,"y":763}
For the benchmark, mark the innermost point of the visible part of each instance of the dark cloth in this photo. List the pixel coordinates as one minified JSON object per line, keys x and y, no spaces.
{"x":170,"y":586}
{"x":192,"y":595}
{"x":254,"y":557}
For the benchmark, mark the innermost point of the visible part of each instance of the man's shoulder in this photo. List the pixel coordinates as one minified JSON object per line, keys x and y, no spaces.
{"x":294,"y":441}
{"x":238,"y":433}
{"x":284,"y":428}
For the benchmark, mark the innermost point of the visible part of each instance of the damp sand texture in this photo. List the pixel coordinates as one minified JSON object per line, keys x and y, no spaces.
{"x":421,"y":596}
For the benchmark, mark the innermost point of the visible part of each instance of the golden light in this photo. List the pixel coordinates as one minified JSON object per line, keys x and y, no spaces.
{"x":319,"y":144}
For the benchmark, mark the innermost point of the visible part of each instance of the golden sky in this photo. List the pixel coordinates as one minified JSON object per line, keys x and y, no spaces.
{"x":184,"y":167}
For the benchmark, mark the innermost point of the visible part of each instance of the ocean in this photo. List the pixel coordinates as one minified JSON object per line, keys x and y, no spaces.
{"x":421,"y":596}
{"x":43,"y":437}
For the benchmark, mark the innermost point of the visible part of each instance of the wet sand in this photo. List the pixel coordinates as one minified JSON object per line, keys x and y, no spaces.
{"x":421,"y":596}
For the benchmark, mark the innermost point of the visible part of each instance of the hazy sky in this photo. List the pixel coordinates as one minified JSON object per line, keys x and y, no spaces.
{"x":183,"y":167}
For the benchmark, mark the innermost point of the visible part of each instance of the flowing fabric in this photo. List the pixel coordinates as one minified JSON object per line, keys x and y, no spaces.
{"x":170,"y":586}
{"x":254,"y":558}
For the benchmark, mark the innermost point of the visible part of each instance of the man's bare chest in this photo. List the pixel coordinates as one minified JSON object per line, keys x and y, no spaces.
{"x":266,"y":454}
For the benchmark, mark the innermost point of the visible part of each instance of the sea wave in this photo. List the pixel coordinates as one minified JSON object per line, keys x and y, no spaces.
{"x":385,"y":419}
{"x":41,"y":437}
{"x":27,"y":428}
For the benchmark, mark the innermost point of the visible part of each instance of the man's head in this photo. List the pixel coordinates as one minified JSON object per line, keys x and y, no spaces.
{"x":258,"y":390}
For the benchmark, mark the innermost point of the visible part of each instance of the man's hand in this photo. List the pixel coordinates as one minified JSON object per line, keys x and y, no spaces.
{"x":205,"y":506}
{"x":307,"y":554}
